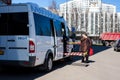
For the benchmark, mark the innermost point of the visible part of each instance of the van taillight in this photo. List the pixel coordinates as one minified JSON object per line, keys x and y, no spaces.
{"x":31,"y":47}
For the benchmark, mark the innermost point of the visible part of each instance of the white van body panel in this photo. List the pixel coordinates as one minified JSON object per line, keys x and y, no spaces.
{"x":13,"y":49}
{"x":42,"y":45}
{"x":17,"y":47}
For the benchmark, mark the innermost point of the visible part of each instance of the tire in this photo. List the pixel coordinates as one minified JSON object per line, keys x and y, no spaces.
{"x":48,"y":64}
{"x":107,"y":43}
{"x":103,"y":43}
{"x":112,"y":44}
{"x":114,"y":49}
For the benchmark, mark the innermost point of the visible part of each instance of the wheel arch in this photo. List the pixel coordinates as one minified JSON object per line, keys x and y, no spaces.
{"x":49,"y":53}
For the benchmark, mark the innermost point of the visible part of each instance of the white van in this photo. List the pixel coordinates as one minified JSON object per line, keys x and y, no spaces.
{"x":31,"y":36}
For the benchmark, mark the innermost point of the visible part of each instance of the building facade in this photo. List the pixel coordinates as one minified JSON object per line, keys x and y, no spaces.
{"x":91,"y":16}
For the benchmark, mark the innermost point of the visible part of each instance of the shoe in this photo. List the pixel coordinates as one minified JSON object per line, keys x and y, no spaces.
{"x":82,"y":61}
{"x":86,"y":61}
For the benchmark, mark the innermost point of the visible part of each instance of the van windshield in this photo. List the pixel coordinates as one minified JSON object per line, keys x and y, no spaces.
{"x":14,"y":24}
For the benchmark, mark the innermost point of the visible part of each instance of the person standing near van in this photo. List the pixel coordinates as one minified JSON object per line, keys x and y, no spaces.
{"x":85,"y":47}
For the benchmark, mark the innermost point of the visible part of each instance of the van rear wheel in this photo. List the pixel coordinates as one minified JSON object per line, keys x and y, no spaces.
{"x":48,"y":64}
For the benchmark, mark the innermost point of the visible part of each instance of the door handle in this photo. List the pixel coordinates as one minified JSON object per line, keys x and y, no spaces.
{"x":55,"y":46}
{"x":11,"y":40}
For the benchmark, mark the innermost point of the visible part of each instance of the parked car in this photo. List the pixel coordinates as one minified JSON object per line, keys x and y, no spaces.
{"x":117,"y":45}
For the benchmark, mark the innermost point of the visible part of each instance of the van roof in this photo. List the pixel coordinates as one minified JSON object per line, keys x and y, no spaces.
{"x":39,"y":10}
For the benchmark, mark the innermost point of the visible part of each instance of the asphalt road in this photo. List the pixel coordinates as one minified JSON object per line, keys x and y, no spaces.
{"x":104,"y":65}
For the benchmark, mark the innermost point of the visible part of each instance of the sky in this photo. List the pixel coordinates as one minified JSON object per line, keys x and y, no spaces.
{"x":46,"y":3}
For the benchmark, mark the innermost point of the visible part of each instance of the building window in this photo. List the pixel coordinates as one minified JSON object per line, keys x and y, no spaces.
{"x":92,"y":22}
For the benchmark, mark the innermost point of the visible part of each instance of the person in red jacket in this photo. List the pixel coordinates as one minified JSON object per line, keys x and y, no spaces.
{"x":85,"y":47}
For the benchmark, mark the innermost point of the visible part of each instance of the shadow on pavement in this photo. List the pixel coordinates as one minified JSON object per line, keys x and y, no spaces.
{"x":14,"y":73}
{"x":10,"y":73}
{"x":96,"y":48}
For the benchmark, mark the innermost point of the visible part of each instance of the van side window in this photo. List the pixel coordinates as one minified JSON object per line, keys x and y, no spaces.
{"x":42,"y":25}
{"x":58,"y":28}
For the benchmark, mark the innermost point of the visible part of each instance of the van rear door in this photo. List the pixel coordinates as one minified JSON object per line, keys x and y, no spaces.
{"x":14,"y":34}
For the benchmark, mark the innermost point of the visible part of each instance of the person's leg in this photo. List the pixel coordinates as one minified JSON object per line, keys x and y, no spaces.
{"x":87,"y":58}
{"x":83,"y":59}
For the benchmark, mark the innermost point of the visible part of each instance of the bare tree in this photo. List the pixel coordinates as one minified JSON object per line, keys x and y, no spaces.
{"x":53,"y":7}
{"x":6,"y":1}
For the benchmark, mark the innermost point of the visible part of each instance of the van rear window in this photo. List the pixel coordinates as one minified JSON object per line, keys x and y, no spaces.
{"x":14,"y":24}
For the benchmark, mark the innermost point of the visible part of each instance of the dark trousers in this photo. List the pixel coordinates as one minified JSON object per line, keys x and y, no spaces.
{"x":85,"y":58}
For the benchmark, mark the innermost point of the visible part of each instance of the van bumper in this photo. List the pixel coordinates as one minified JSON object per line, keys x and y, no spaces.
{"x":30,"y":63}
